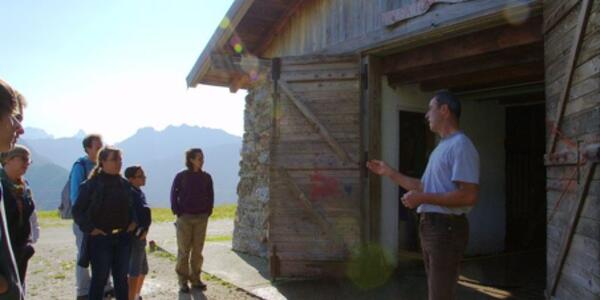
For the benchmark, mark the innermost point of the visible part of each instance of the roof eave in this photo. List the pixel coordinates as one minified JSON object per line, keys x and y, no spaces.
{"x":221,"y":35}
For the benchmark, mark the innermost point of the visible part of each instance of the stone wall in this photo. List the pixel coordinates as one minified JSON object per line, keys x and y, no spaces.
{"x":249,"y":234}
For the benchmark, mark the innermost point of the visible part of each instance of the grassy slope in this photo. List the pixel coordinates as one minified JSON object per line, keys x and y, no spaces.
{"x":225,"y":211}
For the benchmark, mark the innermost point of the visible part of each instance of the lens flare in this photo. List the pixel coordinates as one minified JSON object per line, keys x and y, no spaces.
{"x":253,"y":75}
{"x":249,"y":63}
{"x":225,"y":23}
{"x":238,"y":48}
{"x":370,"y":267}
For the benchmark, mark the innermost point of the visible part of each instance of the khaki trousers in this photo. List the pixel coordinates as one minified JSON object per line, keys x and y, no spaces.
{"x":191,"y":232}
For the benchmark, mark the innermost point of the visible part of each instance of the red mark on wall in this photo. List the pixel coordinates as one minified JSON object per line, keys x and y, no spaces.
{"x":323,"y":186}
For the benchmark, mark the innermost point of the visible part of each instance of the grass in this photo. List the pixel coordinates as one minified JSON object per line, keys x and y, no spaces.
{"x":164,"y":254}
{"x":219,"y":238}
{"x":50,"y":218}
{"x":223,"y":211}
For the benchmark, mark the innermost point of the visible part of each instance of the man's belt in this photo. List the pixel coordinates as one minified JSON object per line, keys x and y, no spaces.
{"x":441,"y":216}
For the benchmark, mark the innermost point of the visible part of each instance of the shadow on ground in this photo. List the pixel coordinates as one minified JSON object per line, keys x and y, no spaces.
{"x":515,"y":276}
{"x":193,"y":295}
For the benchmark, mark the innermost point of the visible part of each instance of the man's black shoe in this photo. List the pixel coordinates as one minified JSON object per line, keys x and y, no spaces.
{"x":85,"y":297}
{"x":184,"y":289}
{"x":200,"y":285}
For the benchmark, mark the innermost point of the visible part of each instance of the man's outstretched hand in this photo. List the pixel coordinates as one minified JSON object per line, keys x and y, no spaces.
{"x":379,"y":167}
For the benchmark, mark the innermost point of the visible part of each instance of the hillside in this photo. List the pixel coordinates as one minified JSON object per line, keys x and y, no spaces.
{"x":160,"y":153}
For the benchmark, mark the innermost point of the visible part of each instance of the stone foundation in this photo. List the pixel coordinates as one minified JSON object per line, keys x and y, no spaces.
{"x":250,"y":228}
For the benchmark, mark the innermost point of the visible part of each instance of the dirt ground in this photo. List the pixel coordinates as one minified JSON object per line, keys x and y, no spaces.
{"x":51,"y":272}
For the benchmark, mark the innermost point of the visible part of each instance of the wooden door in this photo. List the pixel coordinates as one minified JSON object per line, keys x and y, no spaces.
{"x":525,"y":178}
{"x":315,"y":185}
{"x":571,"y":56}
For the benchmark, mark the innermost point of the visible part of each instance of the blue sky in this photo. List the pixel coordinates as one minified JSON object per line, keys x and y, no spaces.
{"x":113,"y":66}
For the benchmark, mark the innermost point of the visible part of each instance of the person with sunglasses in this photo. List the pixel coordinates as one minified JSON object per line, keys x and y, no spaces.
{"x":11,"y":116}
{"x":138,"y":262}
{"x":104,"y":212}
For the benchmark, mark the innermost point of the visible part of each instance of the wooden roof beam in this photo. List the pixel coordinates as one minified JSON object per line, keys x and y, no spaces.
{"x":237,"y":82}
{"x":488,"y":78}
{"x":514,"y":57}
{"x":495,"y":39}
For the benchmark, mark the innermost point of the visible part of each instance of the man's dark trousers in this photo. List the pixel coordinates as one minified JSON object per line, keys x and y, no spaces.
{"x":443,"y":241}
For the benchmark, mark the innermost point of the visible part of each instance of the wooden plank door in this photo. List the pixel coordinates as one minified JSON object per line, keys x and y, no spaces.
{"x":573,"y":116}
{"x":315,"y":185}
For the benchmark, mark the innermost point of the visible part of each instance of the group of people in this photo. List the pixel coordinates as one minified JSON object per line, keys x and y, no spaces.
{"x":112,"y":218}
{"x":111,"y":221}
{"x":110,"y":213}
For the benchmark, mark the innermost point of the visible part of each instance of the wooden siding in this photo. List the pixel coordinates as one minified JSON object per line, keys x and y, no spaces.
{"x":342,"y":26}
{"x":315,"y":187}
{"x":579,"y":128}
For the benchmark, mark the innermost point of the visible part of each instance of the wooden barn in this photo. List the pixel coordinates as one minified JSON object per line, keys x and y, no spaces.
{"x":332,"y":83}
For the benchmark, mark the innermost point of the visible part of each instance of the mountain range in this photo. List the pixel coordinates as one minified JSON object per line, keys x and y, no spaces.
{"x":160,"y":153}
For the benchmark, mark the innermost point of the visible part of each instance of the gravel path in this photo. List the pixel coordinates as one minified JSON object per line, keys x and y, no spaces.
{"x":51,"y":270}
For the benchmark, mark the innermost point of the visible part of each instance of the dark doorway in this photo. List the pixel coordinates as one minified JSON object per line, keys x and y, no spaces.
{"x":416,"y":143}
{"x":525,"y":178}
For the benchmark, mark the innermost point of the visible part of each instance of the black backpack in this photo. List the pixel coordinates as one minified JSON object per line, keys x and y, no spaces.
{"x":65,"y":208}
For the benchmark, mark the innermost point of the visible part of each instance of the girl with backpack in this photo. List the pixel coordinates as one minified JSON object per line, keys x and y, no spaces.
{"x":104,"y":212}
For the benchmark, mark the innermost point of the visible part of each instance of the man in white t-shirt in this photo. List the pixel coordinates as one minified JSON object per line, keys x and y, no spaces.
{"x":444,"y":195}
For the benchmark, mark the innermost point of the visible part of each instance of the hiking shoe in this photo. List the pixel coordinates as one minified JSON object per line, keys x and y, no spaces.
{"x":200,"y":285}
{"x":184,"y":289}
{"x":109,"y":294}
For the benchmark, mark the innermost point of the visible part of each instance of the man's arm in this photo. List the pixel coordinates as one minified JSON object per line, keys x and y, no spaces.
{"x":467,"y":194}
{"x":175,"y":195}
{"x":406,"y":182}
{"x":80,"y":208}
{"x":77,"y":177}
{"x":211,"y":194}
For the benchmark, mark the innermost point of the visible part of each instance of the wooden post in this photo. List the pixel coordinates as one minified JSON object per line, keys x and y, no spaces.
{"x":568,"y":236}
{"x":374,"y":98}
{"x":274,"y":263}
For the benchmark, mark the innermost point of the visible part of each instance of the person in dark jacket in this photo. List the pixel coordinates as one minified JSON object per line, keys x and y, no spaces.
{"x":104,"y":212}
{"x":192,"y":200}
{"x":19,"y":205}
{"x":138,"y":262}
{"x":11,"y":116}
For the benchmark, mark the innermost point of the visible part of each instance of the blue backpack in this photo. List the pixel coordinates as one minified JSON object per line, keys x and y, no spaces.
{"x":65,"y":208}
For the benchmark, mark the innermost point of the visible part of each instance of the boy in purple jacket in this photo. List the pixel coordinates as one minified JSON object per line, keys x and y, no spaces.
{"x":192,"y":200}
